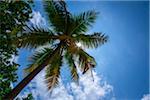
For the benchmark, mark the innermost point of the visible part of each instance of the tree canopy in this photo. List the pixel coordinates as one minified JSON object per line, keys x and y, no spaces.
{"x":13,"y":16}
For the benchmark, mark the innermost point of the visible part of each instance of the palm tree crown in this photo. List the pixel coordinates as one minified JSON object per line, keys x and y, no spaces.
{"x":66,"y":31}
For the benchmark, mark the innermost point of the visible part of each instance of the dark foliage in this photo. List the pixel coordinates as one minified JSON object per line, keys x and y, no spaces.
{"x":13,"y":16}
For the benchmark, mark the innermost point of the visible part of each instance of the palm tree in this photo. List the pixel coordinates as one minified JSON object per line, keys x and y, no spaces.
{"x":66,"y":30}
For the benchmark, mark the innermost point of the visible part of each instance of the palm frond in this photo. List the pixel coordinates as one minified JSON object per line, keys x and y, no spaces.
{"x":34,"y":37}
{"x":38,"y":58}
{"x":92,"y":40}
{"x":85,"y":61}
{"x":53,"y":72}
{"x":81,"y":23}
{"x":57,"y":14}
{"x":72,"y":66}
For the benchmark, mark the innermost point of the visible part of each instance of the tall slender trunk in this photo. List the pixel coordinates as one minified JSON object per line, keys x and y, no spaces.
{"x":29,"y":77}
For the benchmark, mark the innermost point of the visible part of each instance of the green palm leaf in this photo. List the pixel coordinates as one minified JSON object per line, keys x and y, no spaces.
{"x":92,"y":40}
{"x":56,"y":11}
{"x":85,"y":61}
{"x":81,"y":22}
{"x":72,"y":66}
{"x":34,"y":37}
{"x":53,"y":71}
{"x":38,"y":58}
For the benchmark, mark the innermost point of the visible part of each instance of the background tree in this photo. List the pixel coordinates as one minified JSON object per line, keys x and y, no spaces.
{"x":13,"y":16}
{"x":62,"y":36}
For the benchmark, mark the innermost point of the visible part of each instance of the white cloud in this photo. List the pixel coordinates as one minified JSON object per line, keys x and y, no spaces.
{"x":89,"y":89}
{"x":86,"y":90}
{"x":38,"y":19}
{"x":146,"y":97}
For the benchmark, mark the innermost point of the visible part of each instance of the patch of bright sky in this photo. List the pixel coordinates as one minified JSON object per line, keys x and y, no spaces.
{"x":123,"y":61}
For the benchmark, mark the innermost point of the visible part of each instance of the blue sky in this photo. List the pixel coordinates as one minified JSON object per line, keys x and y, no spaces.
{"x":123,"y":61}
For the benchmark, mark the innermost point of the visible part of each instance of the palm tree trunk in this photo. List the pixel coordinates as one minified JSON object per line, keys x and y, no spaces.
{"x":29,"y":77}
